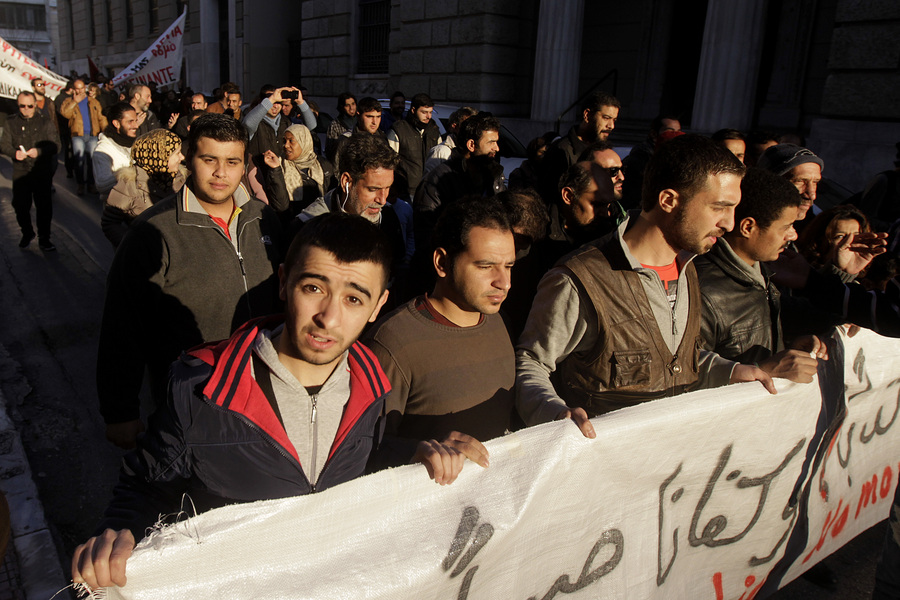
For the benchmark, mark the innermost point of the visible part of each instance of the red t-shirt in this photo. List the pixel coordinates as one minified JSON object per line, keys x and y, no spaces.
{"x":668,"y":274}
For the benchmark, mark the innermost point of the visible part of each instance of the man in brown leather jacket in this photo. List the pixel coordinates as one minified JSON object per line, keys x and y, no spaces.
{"x":617,"y":322}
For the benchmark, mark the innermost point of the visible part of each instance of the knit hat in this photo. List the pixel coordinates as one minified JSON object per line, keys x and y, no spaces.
{"x":781,"y":158}
{"x":152,"y":150}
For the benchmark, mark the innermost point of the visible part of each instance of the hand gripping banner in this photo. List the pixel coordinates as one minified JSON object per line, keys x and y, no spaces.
{"x":161,"y":62}
{"x":716,"y":494}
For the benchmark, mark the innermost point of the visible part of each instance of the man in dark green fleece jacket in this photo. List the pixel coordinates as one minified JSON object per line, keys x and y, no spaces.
{"x":192,"y":269}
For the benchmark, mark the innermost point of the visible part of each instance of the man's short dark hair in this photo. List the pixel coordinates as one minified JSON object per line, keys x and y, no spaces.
{"x":527,"y":213}
{"x":350,"y":238}
{"x":367,"y":104}
{"x":342,"y":98}
{"x":598,"y":100}
{"x":457,"y":220}
{"x":657,"y":122}
{"x":118,"y":110}
{"x":764,"y":196}
{"x":398,"y":94}
{"x":27,"y":93}
{"x":596,"y":146}
{"x":266,"y":90}
{"x":195,"y":114}
{"x":577,"y":178}
{"x":134,"y":89}
{"x":364,"y":152}
{"x":727,"y":134}
{"x":475,"y":127}
{"x":461,"y":114}
{"x":219,"y":127}
{"x":420,"y":100}
{"x":684,"y":164}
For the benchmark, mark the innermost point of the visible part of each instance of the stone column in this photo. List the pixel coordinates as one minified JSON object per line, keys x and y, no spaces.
{"x":557,"y":60}
{"x":729,"y":65}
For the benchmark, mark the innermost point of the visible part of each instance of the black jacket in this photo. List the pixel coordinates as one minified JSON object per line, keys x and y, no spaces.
{"x":741,"y":317}
{"x":219,"y":440}
{"x":177,"y":281}
{"x":414,"y":147}
{"x":36,"y":132}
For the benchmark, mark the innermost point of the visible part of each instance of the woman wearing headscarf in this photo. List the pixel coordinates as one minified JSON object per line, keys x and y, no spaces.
{"x":156,"y":173}
{"x":294,"y":182}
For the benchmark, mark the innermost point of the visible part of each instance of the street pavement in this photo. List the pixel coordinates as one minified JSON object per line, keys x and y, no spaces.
{"x":50,"y":308}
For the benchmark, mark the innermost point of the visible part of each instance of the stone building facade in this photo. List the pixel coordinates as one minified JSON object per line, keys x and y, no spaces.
{"x":30,"y":26}
{"x":827,"y":69}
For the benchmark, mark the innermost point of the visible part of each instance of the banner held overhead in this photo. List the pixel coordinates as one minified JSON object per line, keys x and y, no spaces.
{"x":161,"y":62}
{"x":17,"y":71}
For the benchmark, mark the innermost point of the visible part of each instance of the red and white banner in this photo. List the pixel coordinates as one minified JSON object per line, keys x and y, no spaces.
{"x":17,"y":71}
{"x":161,"y":62}
{"x":718,"y":494}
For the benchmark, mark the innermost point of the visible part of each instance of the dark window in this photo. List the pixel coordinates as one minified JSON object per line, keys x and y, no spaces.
{"x":154,"y":15}
{"x":23,"y":16}
{"x":374,"y":33}
{"x":129,"y":20}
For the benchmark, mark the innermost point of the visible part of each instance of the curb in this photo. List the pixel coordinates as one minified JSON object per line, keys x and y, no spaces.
{"x":41,"y":574}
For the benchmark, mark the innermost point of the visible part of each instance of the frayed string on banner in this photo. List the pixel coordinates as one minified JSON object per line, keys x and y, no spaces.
{"x":182,"y":518}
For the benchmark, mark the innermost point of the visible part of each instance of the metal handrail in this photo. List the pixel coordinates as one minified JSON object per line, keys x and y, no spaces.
{"x":615,"y":76}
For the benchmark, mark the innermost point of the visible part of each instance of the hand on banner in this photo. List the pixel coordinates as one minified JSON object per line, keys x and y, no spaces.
{"x":794,"y":365}
{"x":272,"y":160}
{"x":100,"y":561}
{"x":744,"y":373}
{"x":124,"y":435}
{"x":580,"y":418}
{"x":469,"y":446}
{"x":172,"y":120}
{"x":811,"y":344}
{"x":444,"y":463}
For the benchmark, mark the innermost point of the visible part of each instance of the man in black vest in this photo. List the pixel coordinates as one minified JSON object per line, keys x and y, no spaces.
{"x":412,"y":138}
{"x":618,"y":322}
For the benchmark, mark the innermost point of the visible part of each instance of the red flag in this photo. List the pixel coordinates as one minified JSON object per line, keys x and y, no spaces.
{"x":95,"y":72}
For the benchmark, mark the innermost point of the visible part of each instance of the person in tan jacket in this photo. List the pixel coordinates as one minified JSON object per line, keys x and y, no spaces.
{"x":86,"y":121}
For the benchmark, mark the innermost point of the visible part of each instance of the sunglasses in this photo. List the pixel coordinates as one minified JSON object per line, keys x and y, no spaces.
{"x":26,"y":106}
{"x":613,"y":171}
{"x":39,"y":85}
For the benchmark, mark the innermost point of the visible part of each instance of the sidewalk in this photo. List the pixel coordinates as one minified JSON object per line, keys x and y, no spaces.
{"x":31,"y":569}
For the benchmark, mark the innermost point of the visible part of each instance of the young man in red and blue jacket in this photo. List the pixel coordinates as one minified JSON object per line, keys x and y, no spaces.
{"x":285,"y":407}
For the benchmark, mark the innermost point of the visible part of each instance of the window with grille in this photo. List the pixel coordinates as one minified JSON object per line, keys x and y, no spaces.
{"x":374,"y":33}
{"x":23,"y":16}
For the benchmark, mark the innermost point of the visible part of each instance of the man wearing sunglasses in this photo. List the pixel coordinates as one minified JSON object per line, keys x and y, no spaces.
{"x":32,"y":142}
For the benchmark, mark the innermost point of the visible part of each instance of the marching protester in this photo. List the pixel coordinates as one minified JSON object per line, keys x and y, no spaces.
{"x":192,"y":269}
{"x":425,"y":345}
{"x":413,"y":138}
{"x":86,"y":121}
{"x":157,"y":173}
{"x":298,"y":179}
{"x":32,"y":142}
{"x":741,"y":305}
{"x":289,"y":371}
{"x":604,"y":346}
{"x":139,"y":97}
{"x":113,"y":151}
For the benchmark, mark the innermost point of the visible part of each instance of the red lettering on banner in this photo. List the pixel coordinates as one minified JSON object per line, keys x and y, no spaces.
{"x":886,"y":479}
{"x":839,"y":522}
{"x":749,"y":581}
{"x":869,"y":488}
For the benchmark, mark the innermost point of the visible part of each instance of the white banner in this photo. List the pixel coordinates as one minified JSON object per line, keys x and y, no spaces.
{"x":17,"y":71}
{"x":706,"y":495}
{"x":161,"y":62}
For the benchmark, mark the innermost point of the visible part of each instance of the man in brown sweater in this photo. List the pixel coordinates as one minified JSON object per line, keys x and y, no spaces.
{"x":447,"y":354}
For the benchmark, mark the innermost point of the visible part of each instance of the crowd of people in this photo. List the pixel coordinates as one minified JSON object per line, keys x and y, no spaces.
{"x":343,"y":295}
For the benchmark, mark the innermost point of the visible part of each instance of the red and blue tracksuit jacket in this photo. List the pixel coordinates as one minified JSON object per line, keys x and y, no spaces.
{"x":218,"y":439}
